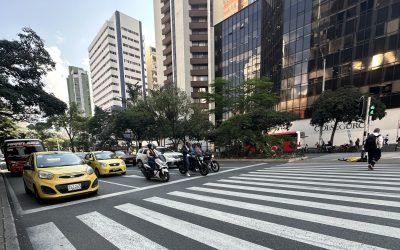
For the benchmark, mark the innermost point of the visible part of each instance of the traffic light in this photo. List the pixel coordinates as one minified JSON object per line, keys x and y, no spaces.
{"x":372,"y":110}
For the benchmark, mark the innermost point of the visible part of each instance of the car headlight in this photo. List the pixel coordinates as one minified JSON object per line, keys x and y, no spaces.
{"x":122,"y":163}
{"x":103,"y":164}
{"x":89,"y":170}
{"x":45,"y":175}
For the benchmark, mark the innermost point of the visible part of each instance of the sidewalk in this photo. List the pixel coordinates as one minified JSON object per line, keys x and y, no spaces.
{"x":8,"y":233}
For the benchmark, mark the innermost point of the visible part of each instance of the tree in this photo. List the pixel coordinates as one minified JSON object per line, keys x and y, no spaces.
{"x":198,"y":126}
{"x":8,"y":129}
{"x":23,"y":63}
{"x":72,"y":122}
{"x":340,"y":106}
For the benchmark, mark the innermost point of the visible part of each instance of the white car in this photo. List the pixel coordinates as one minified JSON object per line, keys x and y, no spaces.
{"x":172,"y":158}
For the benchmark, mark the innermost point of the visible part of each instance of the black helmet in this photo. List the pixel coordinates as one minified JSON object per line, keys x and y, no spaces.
{"x":151,"y":146}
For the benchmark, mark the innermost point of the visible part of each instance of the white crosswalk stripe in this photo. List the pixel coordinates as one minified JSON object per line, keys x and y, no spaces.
{"x":195,"y":232}
{"x":47,"y":236}
{"x":300,"y":235}
{"x":319,"y":206}
{"x":119,"y":235}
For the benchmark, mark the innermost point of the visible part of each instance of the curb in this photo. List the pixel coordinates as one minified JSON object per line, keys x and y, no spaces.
{"x":10,"y":237}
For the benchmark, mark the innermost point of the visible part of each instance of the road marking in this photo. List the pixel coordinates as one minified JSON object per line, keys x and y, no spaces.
{"x":339,"y":168}
{"x":265,"y":177}
{"x":335,"y":174}
{"x":289,"y":213}
{"x":105,"y":196}
{"x":119,"y":235}
{"x":349,"y":172}
{"x":14,"y":199}
{"x":320,"y":183}
{"x":47,"y":237}
{"x":195,"y":232}
{"x":304,"y":203}
{"x":311,"y":195}
{"x":338,"y":188}
{"x":118,"y":184}
{"x":132,"y":176}
{"x":308,"y":237}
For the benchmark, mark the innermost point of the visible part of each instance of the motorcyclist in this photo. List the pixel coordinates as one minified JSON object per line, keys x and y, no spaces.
{"x":151,"y":156}
{"x":186,"y":150}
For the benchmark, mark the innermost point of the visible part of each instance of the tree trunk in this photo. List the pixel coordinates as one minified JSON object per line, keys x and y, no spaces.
{"x":333,"y":132}
{"x":71,"y":142}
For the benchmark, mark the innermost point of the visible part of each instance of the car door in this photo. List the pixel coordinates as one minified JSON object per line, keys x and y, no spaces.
{"x":29,"y":172}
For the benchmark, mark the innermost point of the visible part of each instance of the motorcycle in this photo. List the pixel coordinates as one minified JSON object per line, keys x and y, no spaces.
{"x":196,"y":164}
{"x":161,"y":172}
{"x":211,"y":163}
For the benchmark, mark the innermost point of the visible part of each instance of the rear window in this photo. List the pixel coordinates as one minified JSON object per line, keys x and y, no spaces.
{"x":22,"y":148}
{"x":57,"y":160}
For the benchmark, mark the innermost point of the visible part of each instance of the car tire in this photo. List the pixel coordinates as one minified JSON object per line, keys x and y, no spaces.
{"x":27,"y":191}
{"x":37,"y":196}
{"x":97,"y":172}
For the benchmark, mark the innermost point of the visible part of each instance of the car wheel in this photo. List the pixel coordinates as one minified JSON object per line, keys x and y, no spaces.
{"x":27,"y":191}
{"x":97,"y":172}
{"x":37,"y":195}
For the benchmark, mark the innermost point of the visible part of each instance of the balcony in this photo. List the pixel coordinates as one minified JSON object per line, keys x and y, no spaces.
{"x":167,"y":61}
{"x":165,"y":8}
{"x":168,"y":81}
{"x":198,"y":13}
{"x":168,"y":71}
{"x":199,"y":72}
{"x":167,"y":50}
{"x":199,"y":84}
{"x":192,"y":2}
{"x":202,"y":60}
{"x":199,"y":37}
{"x":198,"y":25}
{"x":167,"y":40}
{"x":166,"y":18}
{"x":166,"y":29}
{"x":199,"y":49}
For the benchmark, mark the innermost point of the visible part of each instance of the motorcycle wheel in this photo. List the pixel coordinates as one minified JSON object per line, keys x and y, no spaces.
{"x":148,"y":176}
{"x":203,"y":169}
{"x":182,"y":169}
{"x":214,"y":166}
{"x":164,"y":176}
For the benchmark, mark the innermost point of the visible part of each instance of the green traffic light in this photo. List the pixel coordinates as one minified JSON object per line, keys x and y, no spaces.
{"x":372,"y":110}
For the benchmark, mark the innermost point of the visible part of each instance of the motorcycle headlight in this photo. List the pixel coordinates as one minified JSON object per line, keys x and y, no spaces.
{"x":45,"y":175}
{"x":103,"y":164}
{"x":89,"y":170}
{"x":212,"y":156}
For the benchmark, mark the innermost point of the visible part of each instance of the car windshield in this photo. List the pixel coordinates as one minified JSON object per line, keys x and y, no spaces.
{"x":80,"y":155}
{"x":57,"y":160}
{"x":165,"y":150}
{"x":105,"y":155}
{"x":119,"y":153}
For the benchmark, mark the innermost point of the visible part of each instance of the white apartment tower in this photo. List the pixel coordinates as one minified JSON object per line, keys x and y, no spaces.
{"x":117,"y":60}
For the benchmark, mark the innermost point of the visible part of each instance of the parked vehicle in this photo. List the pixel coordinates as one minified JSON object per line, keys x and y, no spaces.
{"x":2,"y":161}
{"x":105,"y":163}
{"x":161,"y":171}
{"x":173,"y":158}
{"x":17,"y":151}
{"x":50,"y":175}
{"x":196,"y":164}
{"x":212,"y":164}
{"x":81,"y":155}
{"x":128,"y":159}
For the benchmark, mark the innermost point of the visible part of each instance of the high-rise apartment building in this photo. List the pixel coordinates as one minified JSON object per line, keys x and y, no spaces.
{"x":78,"y":90}
{"x":116,"y":61}
{"x":151,"y":68}
{"x":181,"y":29}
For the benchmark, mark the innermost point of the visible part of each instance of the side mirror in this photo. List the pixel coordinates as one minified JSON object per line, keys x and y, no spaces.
{"x":27,"y":166}
{"x":90,"y":159}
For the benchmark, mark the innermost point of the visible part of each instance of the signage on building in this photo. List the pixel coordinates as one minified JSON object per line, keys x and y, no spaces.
{"x":341,"y":126}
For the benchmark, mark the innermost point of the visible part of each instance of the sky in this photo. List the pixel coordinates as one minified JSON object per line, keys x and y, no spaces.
{"x":68,"y":27}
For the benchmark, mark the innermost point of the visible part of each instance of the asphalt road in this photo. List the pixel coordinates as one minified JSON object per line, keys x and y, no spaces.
{"x":247,"y":205}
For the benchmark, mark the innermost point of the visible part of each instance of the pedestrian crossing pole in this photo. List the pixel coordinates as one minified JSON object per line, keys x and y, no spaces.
{"x":366,"y":126}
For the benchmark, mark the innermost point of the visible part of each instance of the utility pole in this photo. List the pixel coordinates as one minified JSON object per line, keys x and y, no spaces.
{"x":324,"y":65}
{"x":366,"y":126}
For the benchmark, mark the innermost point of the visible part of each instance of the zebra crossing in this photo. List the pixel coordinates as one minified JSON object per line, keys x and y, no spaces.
{"x":331,"y":207}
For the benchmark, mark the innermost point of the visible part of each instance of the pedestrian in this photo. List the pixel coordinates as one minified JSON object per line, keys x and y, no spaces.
{"x":386,"y":139}
{"x":397,"y":143}
{"x":358,"y":143}
{"x":186,"y":154}
{"x":373,"y":145}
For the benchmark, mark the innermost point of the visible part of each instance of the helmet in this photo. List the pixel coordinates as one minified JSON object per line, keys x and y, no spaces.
{"x":151,"y":146}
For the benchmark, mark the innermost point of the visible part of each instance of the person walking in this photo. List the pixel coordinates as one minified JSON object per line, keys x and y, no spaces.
{"x":186,"y":154}
{"x":386,"y":140}
{"x":397,"y":144}
{"x":358,"y":143}
{"x":373,"y":145}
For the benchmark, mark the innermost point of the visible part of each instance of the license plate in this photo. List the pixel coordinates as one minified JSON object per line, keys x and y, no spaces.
{"x":74,"y":187}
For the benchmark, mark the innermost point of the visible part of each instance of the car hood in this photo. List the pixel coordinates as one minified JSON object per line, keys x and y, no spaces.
{"x":65,"y":170}
{"x":110,"y":161}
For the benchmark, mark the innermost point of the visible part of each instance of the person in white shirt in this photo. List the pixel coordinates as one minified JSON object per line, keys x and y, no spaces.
{"x":373,"y":145}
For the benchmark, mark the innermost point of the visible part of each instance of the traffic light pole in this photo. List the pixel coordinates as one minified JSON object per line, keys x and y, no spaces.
{"x":366,"y":126}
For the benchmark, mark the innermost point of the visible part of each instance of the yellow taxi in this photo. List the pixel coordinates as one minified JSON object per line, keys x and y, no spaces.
{"x":105,"y":163}
{"x":50,"y":175}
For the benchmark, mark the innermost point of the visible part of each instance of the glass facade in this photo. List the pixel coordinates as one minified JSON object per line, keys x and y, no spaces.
{"x":238,"y":45}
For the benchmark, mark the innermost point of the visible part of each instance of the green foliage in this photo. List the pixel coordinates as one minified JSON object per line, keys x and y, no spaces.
{"x":8,"y":129}
{"x":23,"y":63}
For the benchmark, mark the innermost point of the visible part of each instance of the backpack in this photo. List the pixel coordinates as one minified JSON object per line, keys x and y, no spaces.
{"x":370,"y":143}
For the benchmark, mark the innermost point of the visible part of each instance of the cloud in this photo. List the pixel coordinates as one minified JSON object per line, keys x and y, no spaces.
{"x":59,"y":37}
{"x":55,"y":81}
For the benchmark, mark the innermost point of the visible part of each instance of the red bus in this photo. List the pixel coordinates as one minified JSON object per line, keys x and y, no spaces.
{"x":292,"y":140}
{"x":16,"y":151}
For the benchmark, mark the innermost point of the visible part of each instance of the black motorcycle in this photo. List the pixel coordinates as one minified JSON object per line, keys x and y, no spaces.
{"x":211,"y":163}
{"x":196,"y":164}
